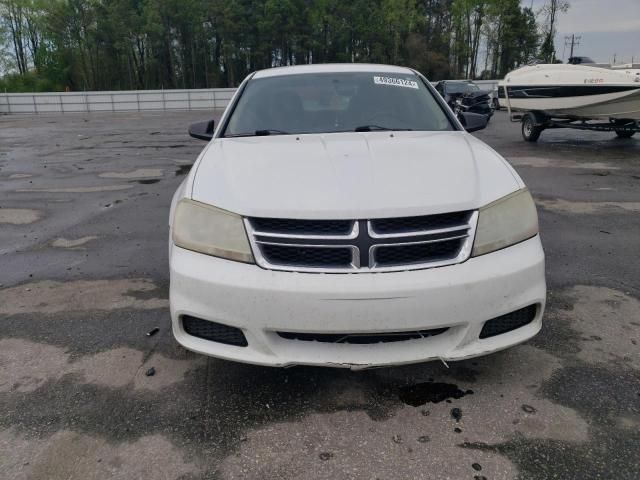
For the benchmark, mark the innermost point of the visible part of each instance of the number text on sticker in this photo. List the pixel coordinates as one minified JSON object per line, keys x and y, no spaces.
{"x":396,"y":82}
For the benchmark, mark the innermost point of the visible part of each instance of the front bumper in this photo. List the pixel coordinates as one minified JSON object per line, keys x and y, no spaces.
{"x":481,"y":108}
{"x":261,"y":302}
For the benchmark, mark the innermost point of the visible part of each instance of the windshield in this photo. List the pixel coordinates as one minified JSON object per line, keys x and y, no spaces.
{"x":462,"y":87}
{"x":335,"y":102}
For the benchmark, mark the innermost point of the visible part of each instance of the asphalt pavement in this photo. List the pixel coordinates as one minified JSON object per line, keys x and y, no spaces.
{"x":85,"y":393}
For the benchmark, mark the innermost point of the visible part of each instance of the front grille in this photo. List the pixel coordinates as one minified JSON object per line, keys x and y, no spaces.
{"x":213,"y":331}
{"x":416,"y":224}
{"x":303,"y":227}
{"x":342,"y":246}
{"x":510,"y":321}
{"x":362,"y":338}
{"x":418,"y":253}
{"x":309,"y":256}
{"x":475,"y":100}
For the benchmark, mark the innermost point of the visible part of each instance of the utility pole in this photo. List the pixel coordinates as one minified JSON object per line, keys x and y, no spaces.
{"x":573,"y":41}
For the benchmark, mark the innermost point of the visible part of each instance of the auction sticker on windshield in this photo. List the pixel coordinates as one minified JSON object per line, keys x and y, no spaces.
{"x":396,"y":82}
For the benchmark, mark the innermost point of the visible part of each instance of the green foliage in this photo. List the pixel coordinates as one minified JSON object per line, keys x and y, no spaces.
{"x":145,"y":44}
{"x":28,"y":82}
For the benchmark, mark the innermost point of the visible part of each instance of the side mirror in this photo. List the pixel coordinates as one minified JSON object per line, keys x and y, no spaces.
{"x":472,"y":121}
{"x":202,"y":130}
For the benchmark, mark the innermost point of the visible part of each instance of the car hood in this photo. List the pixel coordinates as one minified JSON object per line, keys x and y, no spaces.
{"x":351,"y":175}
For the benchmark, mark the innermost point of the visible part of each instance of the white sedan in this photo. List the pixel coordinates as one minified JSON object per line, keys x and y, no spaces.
{"x":340,"y":215}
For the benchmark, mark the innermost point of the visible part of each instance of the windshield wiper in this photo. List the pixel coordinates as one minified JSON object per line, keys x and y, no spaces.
{"x":259,"y":133}
{"x":371,"y":128}
{"x":270,"y":131}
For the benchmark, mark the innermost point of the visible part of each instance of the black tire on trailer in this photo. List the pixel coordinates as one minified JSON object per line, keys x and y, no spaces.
{"x":496,"y":104}
{"x":625,"y":133}
{"x":530,"y":131}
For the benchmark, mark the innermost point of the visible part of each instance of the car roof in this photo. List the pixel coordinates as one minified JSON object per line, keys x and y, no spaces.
{"x":331,"y":68}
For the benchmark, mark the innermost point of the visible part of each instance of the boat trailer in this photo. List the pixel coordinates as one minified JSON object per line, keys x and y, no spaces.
{"x":534,"y":123}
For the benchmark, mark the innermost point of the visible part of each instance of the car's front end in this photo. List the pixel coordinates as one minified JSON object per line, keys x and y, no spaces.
{"x":247,"y":313}
{"x":354,"y":248}
{"x":478,"y":102}
{"x":466,"y":96}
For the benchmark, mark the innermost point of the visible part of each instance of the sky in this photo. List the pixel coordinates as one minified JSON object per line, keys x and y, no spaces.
{"x":607,"y":27}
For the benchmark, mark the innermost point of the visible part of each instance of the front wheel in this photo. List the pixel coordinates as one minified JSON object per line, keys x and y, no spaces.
{"x":624,"y":133}
{"x":530,"y":131}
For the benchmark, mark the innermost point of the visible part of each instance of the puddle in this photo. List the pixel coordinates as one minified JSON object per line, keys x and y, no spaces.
{"x":430,"y":392}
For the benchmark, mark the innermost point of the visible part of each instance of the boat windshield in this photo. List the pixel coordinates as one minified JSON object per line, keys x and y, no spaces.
{"x":579,"y":60}
{"x":336,"y":102}
{"x":462,"y":87}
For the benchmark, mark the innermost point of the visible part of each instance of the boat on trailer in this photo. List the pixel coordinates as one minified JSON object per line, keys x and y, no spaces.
{"x":572,"y":96}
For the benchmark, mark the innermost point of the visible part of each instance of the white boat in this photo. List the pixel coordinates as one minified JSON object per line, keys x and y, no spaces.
{"x":573,"y":92}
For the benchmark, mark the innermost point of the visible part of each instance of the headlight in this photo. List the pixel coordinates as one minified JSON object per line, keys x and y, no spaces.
{"x":210,"y":230}
{"x":505,"y":222}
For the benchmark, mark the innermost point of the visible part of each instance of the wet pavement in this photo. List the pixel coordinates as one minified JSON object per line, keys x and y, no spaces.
{"x":83,"y":278}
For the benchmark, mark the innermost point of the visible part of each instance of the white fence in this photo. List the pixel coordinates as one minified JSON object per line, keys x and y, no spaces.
{"x":128,"y":101}
{"x":119,"y":101}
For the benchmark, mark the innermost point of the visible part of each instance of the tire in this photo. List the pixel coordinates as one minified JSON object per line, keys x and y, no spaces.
{"x":530,"y":131}
{"x":496,"y":104}
{"x":624,"y":133}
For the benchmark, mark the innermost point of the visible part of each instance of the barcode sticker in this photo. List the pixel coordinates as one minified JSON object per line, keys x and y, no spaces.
{"x":396,"y":82}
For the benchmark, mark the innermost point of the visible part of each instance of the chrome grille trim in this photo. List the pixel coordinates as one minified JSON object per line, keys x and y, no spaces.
{"x":375,"y":240}
{"x":355,"y":231}
{"x":374,"y":234}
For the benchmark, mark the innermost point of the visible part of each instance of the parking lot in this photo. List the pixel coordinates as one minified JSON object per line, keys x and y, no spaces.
{"x":84,"y":201}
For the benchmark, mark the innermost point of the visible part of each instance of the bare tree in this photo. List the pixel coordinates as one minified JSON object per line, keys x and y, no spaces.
{"x":12,"y":14}
{"x":550,"y":11}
